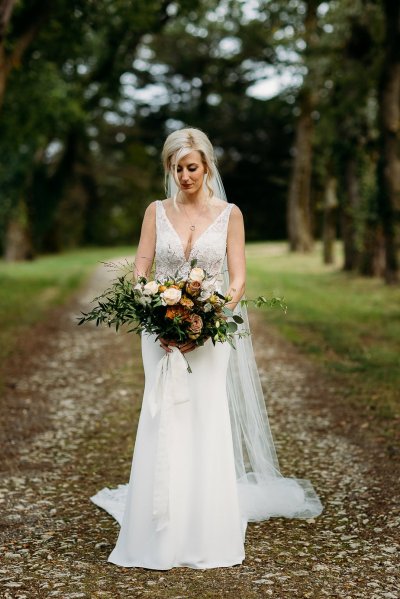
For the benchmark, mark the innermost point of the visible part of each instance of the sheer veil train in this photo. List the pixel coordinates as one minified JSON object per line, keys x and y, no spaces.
{"x":263,"y":490}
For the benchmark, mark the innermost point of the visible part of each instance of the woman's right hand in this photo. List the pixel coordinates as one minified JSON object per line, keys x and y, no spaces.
{"x":185,"y":346}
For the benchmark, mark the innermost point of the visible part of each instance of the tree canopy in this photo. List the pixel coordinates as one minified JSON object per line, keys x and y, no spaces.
{"x":301,"y":100}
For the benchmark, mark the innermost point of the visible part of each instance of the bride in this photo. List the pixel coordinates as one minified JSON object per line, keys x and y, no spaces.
{"x":205,"y":466}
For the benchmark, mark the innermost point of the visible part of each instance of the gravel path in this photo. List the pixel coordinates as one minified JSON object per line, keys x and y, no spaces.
{"x":81,"y":387}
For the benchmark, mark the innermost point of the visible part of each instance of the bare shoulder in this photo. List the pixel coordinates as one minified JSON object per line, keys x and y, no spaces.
{"x":236,"y":213}
{"x":149,"y":217}
{"x":150,"y":211}
{"x":236,"y":224}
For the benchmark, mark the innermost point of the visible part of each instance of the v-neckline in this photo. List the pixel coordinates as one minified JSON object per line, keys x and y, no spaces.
{"x":199,"y":237}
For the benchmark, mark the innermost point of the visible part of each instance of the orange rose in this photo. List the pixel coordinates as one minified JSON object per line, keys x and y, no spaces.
{"x":176,"y":310}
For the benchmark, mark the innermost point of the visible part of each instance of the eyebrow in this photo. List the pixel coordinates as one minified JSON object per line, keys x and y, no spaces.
{"x":192,"y":164}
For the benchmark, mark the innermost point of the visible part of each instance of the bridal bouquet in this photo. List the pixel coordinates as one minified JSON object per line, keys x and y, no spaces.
{"x":177,"y":308}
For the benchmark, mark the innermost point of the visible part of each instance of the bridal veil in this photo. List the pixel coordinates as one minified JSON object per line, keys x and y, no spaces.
{"x":263,"y":490}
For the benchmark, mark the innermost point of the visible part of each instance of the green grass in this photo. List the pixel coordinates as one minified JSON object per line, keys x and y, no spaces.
{"x":29,"y":289}
{"x":350,"y":324}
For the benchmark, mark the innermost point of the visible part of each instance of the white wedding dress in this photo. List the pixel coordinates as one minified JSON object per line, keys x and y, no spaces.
{"x":184,"y":504}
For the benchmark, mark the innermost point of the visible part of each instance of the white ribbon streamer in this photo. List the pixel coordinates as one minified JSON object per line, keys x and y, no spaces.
{"x":170,"y":387}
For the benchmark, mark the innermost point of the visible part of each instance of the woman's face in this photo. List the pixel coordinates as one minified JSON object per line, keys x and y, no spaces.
{"x":191,"y":172}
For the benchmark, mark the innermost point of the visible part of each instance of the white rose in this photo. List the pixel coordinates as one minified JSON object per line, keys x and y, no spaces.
{"x":205,"y":294}
{"x":150,"y":288}
{"x":171,"y":296}
{"x":207,"y":289}
{"x":197,"y":274}
{"x":138,"y":287}
{"x":208,"y":285}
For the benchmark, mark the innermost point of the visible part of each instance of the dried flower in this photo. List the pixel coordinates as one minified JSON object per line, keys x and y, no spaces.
{"x":186,"y":301}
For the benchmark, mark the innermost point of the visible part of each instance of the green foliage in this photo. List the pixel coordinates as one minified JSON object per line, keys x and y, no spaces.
{"x":126,"y":302}
{"x":350,"y":325}
{"x":52,"y":144}
{"x":83,"y":152}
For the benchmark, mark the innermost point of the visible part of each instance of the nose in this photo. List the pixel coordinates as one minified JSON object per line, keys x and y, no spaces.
{"x":185,"y":175}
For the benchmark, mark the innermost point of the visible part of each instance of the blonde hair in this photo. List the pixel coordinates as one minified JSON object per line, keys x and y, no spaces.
{"x":180,"y":143}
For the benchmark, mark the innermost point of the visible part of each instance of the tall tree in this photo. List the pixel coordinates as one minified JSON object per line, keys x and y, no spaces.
{"x":389,"y":121}
{"x":73,"y":78}
{"x":29,"y":19}
{"x":299,"y":223}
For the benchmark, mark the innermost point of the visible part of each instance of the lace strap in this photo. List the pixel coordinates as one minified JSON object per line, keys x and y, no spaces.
{"x":159,"y":217}
{"x":228,"y":212}
{"x":221,"y":222}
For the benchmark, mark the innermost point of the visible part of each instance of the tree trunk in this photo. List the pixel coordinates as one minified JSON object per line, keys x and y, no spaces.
{"x":35,"y":16}
{"x":350,"y":210}
{"x":298,"y":214}
{"x":372,"y":258}
{"x":298,"y":206}
{"x":6,"y":9}
{"x":389,"y":163}
{"x":18,"y":240}
{"x":329,"y":220}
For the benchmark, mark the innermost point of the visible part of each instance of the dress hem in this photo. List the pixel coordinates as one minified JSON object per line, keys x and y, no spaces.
{"x":180,"y":565}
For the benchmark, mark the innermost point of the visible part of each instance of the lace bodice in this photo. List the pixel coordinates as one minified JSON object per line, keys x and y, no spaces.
{"x":209,"y":249}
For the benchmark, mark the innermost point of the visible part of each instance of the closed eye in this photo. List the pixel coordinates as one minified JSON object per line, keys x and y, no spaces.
{"x":190,"y":168}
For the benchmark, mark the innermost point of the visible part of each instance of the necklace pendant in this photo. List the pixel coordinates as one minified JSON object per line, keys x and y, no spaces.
{"x":192,"y":227}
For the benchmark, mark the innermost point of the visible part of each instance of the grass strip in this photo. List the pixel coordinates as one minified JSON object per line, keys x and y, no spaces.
{"x":350,"y":324}
{"x":29,"y":289}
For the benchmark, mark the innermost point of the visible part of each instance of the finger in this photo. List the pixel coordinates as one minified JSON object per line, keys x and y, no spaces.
{"x":190,"y":345}
{"x":165,"y":347}
{"x":186,"y":351}
{"x":185,"y":345}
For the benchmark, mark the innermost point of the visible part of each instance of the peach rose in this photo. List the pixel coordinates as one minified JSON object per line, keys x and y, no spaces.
{"x":193,"y":288}
{"x":197,"y":274}
{"x":171,"y":296}
{"x":150,"y":288}
{"x":196,"y":326}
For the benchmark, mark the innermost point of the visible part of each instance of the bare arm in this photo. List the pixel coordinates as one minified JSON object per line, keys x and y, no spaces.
{"x":236,"y":257}
{"x":147,"y":243}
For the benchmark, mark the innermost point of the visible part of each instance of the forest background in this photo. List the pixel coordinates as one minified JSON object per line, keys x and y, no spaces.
{"x":300,"y":98}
